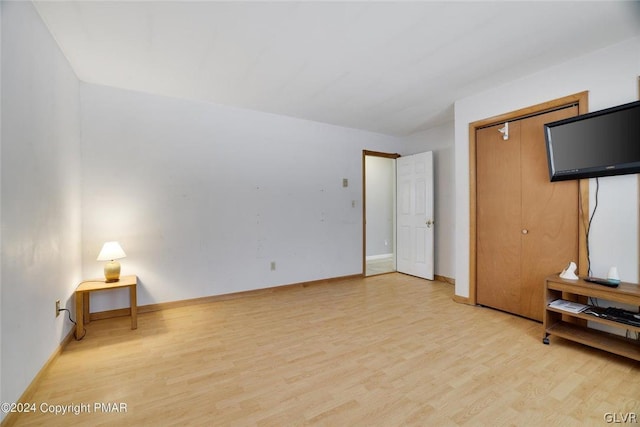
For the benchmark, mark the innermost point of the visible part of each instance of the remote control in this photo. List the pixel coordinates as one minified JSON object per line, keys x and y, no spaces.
{"x":604,"y":282}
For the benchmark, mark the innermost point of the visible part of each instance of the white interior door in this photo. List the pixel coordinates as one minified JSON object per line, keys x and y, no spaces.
{"x":415,"y":221}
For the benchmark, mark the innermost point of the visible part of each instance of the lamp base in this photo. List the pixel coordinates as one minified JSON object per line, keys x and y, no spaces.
{"x":112,"y":271}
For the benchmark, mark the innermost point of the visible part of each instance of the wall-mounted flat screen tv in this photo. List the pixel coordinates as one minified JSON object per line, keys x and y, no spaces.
{"x":602,"y":143}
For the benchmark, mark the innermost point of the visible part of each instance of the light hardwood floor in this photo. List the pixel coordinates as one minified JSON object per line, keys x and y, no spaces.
{"x":386,"y":350}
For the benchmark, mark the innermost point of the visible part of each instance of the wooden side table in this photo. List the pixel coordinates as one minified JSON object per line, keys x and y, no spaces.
{"x":83,"y":315}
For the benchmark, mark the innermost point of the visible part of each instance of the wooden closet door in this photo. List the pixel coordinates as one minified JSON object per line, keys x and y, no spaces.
{"x":498,"y":218}
{"x":549,"y":215}
{"x":527,"y":226}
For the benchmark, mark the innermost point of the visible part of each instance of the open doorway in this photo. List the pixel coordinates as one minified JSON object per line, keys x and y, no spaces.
{"x":397,"y":212}
{"x":379,"y":212}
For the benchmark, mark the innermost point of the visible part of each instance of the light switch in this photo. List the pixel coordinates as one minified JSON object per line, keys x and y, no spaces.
{"x":345,"y":182}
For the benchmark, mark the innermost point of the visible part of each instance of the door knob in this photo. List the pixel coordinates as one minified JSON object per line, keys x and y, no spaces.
{"x":430,"y":223}
{"x":525,"y":231}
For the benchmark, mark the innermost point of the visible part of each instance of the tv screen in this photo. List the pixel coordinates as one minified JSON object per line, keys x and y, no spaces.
{"x":602,"y":143}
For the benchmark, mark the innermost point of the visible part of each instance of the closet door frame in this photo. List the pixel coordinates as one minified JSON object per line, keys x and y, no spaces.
{"x":581,"y":100}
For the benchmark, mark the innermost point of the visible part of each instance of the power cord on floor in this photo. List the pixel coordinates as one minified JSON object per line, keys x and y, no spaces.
{"x":72,"y":321}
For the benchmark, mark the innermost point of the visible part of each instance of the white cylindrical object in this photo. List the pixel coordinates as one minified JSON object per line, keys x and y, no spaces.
{"x":613,"y":274}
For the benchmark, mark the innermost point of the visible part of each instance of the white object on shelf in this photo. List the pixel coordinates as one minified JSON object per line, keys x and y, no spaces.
{"x":569,"y":306}
{"x":570,"y":272}
{"x":613,"y":276}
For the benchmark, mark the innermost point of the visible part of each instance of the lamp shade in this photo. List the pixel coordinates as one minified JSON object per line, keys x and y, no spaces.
{"x":111,"y":251}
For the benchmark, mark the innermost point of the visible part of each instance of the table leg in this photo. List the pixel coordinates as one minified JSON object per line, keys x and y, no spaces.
{"x":133,"y":301}
{"x":87,"y":308}
{"x":79,"y":315}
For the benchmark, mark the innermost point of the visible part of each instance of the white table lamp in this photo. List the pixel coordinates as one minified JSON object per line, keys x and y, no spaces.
{"x":110,"y":252}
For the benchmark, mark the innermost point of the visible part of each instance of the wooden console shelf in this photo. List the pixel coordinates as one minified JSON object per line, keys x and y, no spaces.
{"x":572,"y":326}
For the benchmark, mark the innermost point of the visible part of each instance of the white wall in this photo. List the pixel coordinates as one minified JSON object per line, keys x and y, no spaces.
{"x":440,"y":140}
{"x":611,"y":77}
{"x":40,"y":195}
{"x":203,"y":198}
{"x":380,"y":174}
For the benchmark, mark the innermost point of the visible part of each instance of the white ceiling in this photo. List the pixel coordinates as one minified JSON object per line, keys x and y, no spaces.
{"x":390,"y":67}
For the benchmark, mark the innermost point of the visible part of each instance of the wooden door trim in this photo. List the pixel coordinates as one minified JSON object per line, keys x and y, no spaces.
{"x":380,"y":154}
{"x":366,"y":153}
{"x":580,"y":99}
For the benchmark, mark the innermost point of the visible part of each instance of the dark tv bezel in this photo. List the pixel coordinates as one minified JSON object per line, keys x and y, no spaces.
{"x":591,"y":172}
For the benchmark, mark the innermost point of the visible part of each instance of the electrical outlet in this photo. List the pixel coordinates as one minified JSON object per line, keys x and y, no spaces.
{"x":57,"y":308}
